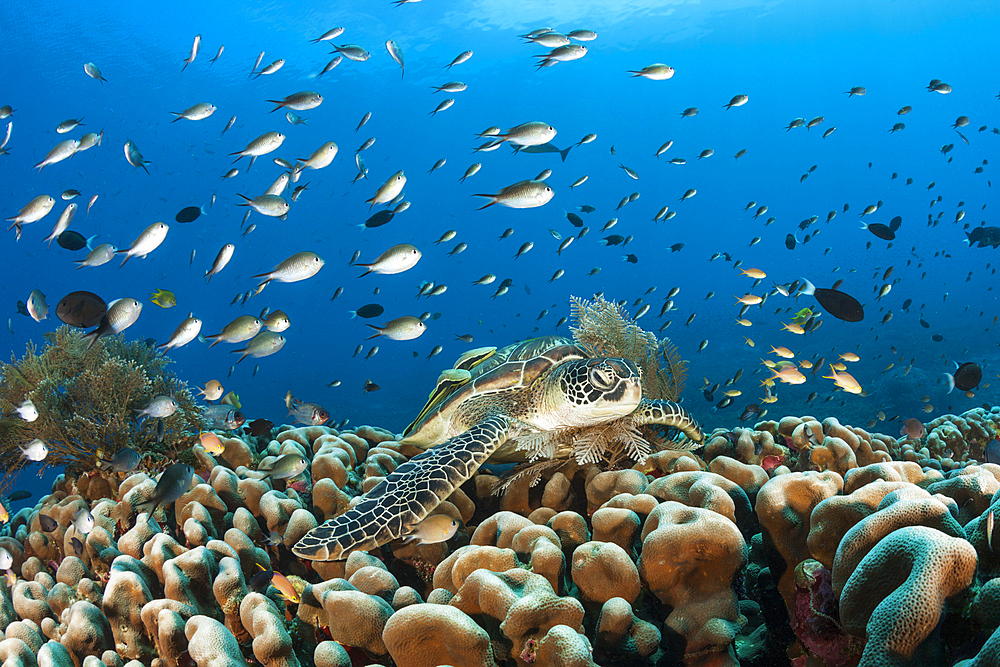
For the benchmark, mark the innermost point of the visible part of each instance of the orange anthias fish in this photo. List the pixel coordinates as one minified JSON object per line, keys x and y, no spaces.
{"x":285,"y":588}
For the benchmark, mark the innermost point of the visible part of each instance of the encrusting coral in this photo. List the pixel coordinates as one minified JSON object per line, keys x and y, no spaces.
{"x":88,"y":399}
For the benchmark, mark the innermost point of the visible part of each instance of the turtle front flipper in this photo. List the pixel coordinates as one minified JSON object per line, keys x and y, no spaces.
{"x":407,"y":496}
{"x":668,"y":413}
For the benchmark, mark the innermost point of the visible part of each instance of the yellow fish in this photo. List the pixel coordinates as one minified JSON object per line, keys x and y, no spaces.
{"x":233,"y":399}
{"x":163,"y":298}
{"x":212,"y":444}
{"x":802,"y":315}
{"x":212,"y":390}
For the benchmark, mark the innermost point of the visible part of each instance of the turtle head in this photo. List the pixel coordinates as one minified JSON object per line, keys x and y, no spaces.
{"x":597,"y":390}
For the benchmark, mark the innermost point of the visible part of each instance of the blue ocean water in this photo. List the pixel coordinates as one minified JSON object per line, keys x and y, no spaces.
{"x":792,"y":59}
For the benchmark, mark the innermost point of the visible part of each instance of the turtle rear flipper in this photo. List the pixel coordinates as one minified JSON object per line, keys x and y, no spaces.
{"x":407,"y":496}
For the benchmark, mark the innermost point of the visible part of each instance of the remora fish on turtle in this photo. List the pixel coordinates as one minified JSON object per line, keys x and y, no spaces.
{"x":480,"y":409}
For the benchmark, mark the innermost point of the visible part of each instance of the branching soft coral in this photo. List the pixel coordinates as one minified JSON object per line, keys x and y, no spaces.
{"x":87,"y":400}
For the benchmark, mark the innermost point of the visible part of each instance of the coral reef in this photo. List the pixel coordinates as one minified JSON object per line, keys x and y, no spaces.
{"x":88,"y":400}
{"x":798,"y":541}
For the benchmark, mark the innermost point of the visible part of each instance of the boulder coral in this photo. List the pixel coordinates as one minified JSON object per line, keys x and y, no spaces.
{"x":801,"y":538}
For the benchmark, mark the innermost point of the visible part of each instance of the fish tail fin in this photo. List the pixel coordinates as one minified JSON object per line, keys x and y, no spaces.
{"x":127,"y":258}
{"x":203,"y":211}
{"x":353,"y":313}
{"x":245,"y":198}
{"x":90,"y":241}
{"x":564,"y":152}
{"x":951,"y":382}
{"x":216,"y":340}
{"x":175,"y":113}
{"x":807,"y":288}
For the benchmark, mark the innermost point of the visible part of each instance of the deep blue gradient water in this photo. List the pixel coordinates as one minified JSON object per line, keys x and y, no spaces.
{"x":793,"y":59}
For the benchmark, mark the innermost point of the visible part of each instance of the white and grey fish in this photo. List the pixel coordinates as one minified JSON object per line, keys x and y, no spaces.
{"x":26,"y":410}
{"x":147,"y":242}
{"x":62,"y":223}
{"x":228,"y":125}
{"x":102,"y":254}
{"x":451,"y":87}
{"x":33,"y":211}
{"x":242,"y":328}
{"x":262,"y":145}
{"x":272,"y":68}
{"x":388,"y":190}
{"x":459,"y":59}
{"x":159,"y":407}
{"x":330,"y":65}
{"x":471,"y":171}
{"x":218,"y":54}
{"x":532,"y":133}
{"x":134,"y":157}
{"x":68,"y":125}
{"x":93,"y":72}
{"x":257,"y":62}
{"x":194,"y":52}
{"x":353,"y":52}
{"x":396,"y":259}
{"x":328,"y":35}
{"x":523,"y":194}
{"x":401,"y":328}
{"x":274,"y":206}
{"x":263,"y":344}
{"x":396,"y":54}
{"x":36,"y":450}
{"x":221,"y":259}
{"x":90,"y":140}
{"x":185,"y":332}
{"x":122,"y":313}
{"x":199,"y":111}
{"x":300,"y":266}
{"x":287,"y":465}
{"x":61,"y":151}
{"x":36,"y":306}
{"x":321,"y":157}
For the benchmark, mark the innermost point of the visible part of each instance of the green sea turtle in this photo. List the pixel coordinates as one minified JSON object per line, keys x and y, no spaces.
{"x":479,"y":409}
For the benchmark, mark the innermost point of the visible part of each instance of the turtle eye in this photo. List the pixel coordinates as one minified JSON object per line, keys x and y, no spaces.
{"x":601,"y":378}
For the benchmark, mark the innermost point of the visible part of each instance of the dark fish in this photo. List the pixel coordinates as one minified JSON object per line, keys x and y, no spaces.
{"x":924,"y":324}
{"x":709,"y":396}
{"x":260,"y":581}
{"x":725,"y":403}
{"x":587,"y":208}
{"x":371,"y":310}
{"x":984,"y":236}
{"x":841,"y":305}
{"x":574,"y":219}
{"x":749,"y":412}
{"x":992,"y":451}
{"x":81,"y":309}
{"x":790,"y":242}
{"x":880,"y":230}
{"x":19,"y":495}
{"x":895,"y":223}
{"x":937,"y":338}
{"x":47,"y":523}
{"x":544,"y":148}
{"x":189,"y":214}
{"x":259,"y":426}
{"x":906,"y":304}
{"x":71,"y":240}
{"x":124,"y":460}
{"x":77,"y":545}
{"x":676,"y":247}
{"x":377,"y":220}
{"x":174,"y":481}
{"x":371,"y":386}
{"x":631,"y":259}
{"x":966,"y":377}
{"x":22,"y":308}
{"x":613,"y":239}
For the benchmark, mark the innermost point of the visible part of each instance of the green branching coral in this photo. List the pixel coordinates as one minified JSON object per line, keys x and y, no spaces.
{"x":87,"y":400}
